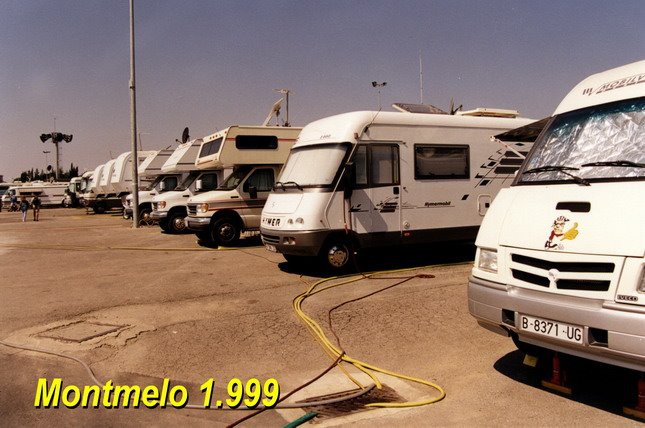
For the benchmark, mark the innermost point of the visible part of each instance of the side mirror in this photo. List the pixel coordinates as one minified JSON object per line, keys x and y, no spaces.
{"x":253,"y":192}
{"x":162,"y":186}
{"x":199,"y":185}
{"x":349,"y":178}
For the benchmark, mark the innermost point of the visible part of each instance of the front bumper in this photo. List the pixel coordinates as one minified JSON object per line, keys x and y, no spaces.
{"x":159,"y":215}
{"x":198,"y":224}
{"x":612,"y":333}
{"x":297,"y":243}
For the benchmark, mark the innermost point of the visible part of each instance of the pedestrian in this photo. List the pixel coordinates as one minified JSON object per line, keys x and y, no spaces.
{"x":35,"y":205}
{"x":24,"y":207}
{"x":14,"y":202}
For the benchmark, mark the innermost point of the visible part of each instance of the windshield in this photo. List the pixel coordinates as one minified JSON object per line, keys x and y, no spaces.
{"x":596,"y":143}
{"x":187,"y":181}
{"x":313,"y":166}
{"x":152,"y":184}
{"x":233,"y":180}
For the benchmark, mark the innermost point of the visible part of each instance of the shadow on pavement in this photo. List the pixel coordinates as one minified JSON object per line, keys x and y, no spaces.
{"x":594,"y":384}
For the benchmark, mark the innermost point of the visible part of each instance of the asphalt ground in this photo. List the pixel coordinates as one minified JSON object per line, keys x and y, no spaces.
{"x":184,"y":312}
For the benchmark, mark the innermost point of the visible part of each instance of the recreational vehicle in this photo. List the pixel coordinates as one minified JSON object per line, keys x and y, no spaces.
{"x":152,"y":182}
{"x":72,"y":192}
{"x":381,"y":179}
{"x":256,"y":155}
{"x":50,"y":194}
{"x":169,"y":208}
{"x":121,"y":179}
{"x":560,"y":255}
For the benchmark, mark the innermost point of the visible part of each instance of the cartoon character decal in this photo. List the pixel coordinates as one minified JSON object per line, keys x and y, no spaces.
{"x":557,"y":235}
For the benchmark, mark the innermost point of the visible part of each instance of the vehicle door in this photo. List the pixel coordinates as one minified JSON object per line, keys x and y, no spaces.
{"x":375,"y":204}
{"x":255,"y":191}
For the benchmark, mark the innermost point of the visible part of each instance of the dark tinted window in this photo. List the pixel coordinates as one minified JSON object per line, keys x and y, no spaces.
{"x":255,"y":142}
{"x":441,"y":162}
{"x":210,"y":147}
{"x":261,"y":179}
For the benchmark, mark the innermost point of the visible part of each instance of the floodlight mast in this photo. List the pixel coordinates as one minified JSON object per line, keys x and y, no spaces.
{"x":133,"y":123}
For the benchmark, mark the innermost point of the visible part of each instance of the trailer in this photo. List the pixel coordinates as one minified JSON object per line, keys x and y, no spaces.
{"x":368,"y":179}
{"x":255,"y":154}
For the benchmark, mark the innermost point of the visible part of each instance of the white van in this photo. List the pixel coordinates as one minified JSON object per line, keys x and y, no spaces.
{"x":256,"y":155}
{"x":382,"y":179}
{"x":560,"y":255}
{"x":50,"y":194}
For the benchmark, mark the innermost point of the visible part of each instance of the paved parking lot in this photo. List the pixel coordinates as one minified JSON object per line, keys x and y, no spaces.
{"x":139,"y":306}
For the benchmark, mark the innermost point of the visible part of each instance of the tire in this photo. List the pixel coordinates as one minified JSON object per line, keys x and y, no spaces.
{"x":204,"y":236}
{"x":144,"y":216}
{"x":99,"y":208}
{"x":225,"y":231}
{"x":176,"y":223}
{"x":336,"y":256}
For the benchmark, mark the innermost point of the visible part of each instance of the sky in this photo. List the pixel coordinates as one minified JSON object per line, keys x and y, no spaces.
{"x":209,"y":64}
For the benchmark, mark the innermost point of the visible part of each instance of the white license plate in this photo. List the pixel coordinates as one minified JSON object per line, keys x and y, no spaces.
{"x":271,"y":248}
{"x":555,"y":329}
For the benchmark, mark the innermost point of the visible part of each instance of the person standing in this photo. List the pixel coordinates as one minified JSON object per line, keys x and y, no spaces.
{"x":24,"y":207}
{"x":35,"y":205}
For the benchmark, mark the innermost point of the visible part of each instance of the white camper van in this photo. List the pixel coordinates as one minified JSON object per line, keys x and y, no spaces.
{"x":169,"y":208}
{"x":50,"y":194}
{"x":256,"y":155}
{"x":152,"y":181}
{"x":377,"y":179}
{"x":560,"y":255}
{"x":121,"y":179}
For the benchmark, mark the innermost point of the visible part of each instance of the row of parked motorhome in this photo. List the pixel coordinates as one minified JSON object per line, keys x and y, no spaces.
{"x":560,"y":261}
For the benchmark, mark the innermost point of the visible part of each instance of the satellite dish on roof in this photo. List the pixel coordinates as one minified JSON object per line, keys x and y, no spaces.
{"x":275,"y":109}
{"x":184,"y":135}
{"x":49,"y":168}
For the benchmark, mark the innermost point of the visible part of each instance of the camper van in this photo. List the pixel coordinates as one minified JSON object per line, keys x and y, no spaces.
{"x":255,"y":154}
{"x":72,"y":192}
{"x":560,"y":255}
{"x":381,"y":179}
{"x":50,"y":194}
{"x":169,"y":208}
{"x":152,"y":181}
{"x":121,"y":179}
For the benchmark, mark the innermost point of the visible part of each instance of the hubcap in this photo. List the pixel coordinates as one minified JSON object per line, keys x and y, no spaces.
{"x":337,"y":256}
{"x":226,"y":232}
{"x":178,"y":223}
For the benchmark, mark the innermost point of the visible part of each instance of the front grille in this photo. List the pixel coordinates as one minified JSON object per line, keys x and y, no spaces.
{"x":563,"y":266}
{"x":578,"y":275}
{"x":270,"y":239}
{"x":192,"y":209}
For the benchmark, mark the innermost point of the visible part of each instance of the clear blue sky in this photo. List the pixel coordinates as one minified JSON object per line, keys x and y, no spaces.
{"x":209,"y":64}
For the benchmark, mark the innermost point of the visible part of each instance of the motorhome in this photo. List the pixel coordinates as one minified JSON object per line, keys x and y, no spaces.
{"x":50,"y":194}
{"x":256,"y":155}
{"x":72,"y":192}
{"x":89,"y":196}
{"x":152,"y":181}
{"x":169,"y":208}
{"x":368,"y":179}
{"x":121,"y":179}
{"x":560,"y":260}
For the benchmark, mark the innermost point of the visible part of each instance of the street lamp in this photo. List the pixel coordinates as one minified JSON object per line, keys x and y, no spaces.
{"x":377,"y":85}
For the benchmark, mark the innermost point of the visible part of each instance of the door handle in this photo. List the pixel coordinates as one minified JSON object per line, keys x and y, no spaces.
{"x":395,"y":190}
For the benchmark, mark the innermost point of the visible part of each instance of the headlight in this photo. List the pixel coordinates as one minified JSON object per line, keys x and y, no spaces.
{"x":487,"y":260}
{"x":161,"y":205}
{"x":202,"y":208}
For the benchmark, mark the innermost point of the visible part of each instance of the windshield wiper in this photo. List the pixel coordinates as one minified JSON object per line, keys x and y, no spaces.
{"x":625,"y":163}
{"x":559,"y":168}
{"x":279,"y":183}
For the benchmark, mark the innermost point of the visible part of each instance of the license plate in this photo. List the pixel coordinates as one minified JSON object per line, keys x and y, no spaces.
{"x":555,"y":329}
{"x":271,"y":248}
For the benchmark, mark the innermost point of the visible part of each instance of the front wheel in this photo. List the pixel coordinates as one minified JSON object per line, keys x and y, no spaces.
{"x":336,"y":256}
{"x":144,"y":216}
{"x":176,"y":222}
{"x":225,"y":231}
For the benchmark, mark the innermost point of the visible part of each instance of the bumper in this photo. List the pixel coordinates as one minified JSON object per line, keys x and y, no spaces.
{"x":612,"y":333}
{"x":297,"y":243}
{"x":158,"y":215}
{"x":198,"y":224}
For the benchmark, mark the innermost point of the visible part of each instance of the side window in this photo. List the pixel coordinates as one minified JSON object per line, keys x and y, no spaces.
{"x":384,"y":165}
{"x":262,"y":179}
{"x":209,"y":181}
{"x":171,"y":182}
{"x":441,"y":162}
{"x":360,"y":166}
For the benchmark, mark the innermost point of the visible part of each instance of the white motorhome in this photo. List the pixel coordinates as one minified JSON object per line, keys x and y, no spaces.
{"x":152,"y":182}
{"x":256,"y":155}
{"x":72,"y":192}
{"x":169,"y":208}
{"x":121,"y":179}
{"x":560,"y":255}
{"x":50,"y":194}
{"x":381,"y":179}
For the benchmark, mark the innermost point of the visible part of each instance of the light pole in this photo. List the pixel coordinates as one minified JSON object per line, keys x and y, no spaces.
{"x":56,"y":138}
{"x":379,"y":86}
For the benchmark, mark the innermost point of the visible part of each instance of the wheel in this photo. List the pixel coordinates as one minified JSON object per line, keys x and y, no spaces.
{"x":176,"y":223}
{"x":336,"y":256}
{"x":225,"y":231}
{"x":144,"y":216}
{"x":99,"y":208}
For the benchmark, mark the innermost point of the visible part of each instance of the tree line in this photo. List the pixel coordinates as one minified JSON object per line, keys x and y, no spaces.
{"x":44,"y":175}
